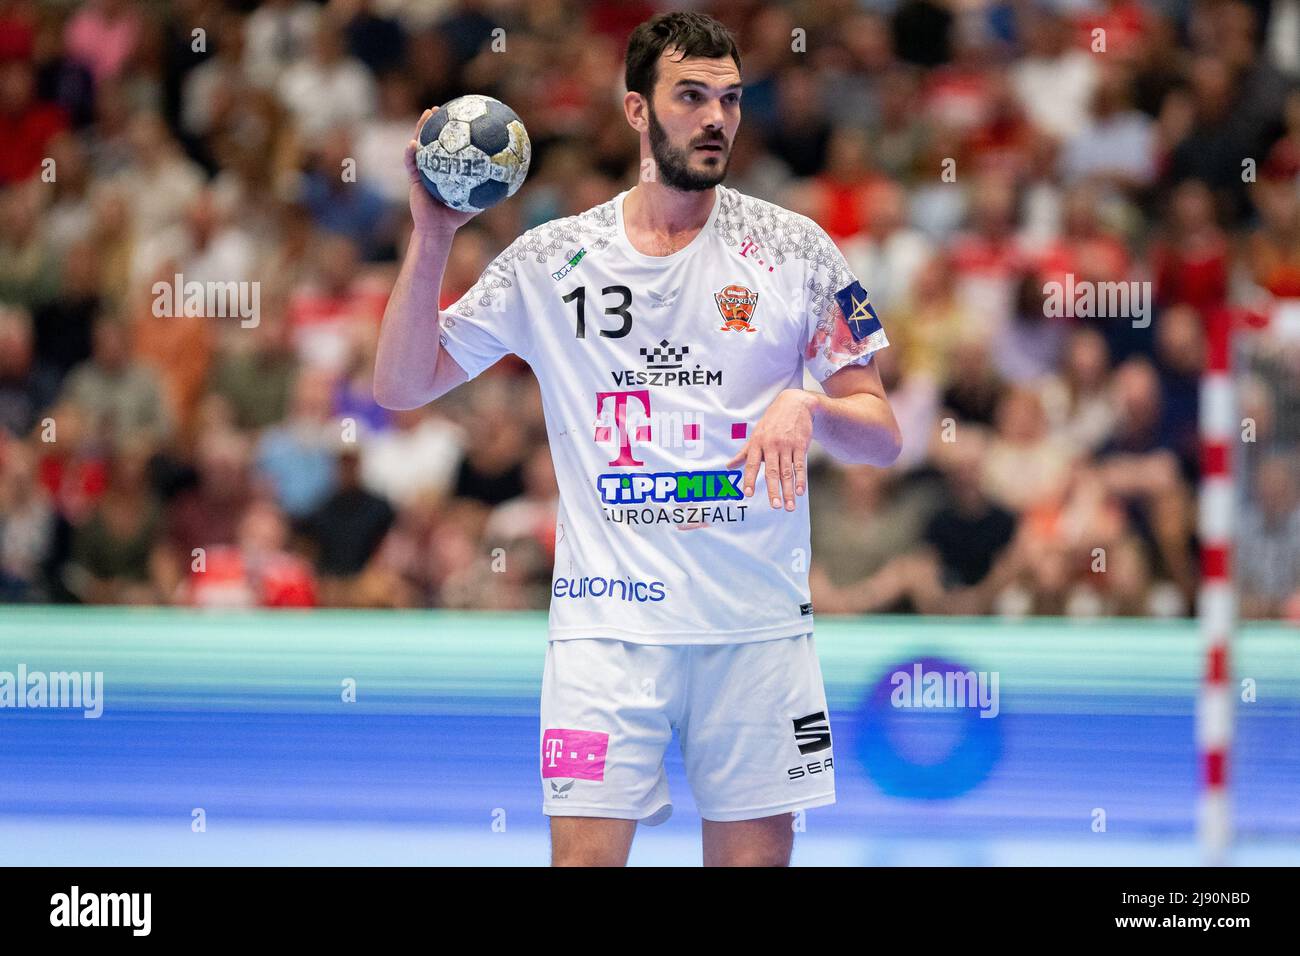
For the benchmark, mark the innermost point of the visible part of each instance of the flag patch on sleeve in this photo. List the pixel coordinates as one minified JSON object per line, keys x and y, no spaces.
{"x":858,"y":314}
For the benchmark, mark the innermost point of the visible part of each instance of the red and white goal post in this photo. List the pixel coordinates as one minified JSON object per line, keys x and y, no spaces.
{"x":1235,"y":339}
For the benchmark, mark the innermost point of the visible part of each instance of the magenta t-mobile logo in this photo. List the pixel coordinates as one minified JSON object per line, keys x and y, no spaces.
{"x":625,"y":435}
{"x":579,"y":754}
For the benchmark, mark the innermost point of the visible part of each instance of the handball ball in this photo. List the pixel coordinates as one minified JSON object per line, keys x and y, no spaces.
{"x":474,"y":152}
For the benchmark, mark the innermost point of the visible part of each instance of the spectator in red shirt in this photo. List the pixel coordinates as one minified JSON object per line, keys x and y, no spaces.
{"x":1273,"y":250}
{"x":840,"y":194}
{"x":1123,"y":24}
{"x":1004,"y":140}
{"x":339,"y":296}
{"x":72,"y":469}
{"x":26,"y":124}
{"x":1086,"y":248}
{"x":17,"y":31}
{"x":256,"y":571}
{"x":1191,"y":260}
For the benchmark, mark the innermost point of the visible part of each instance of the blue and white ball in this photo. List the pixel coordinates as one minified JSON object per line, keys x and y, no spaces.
{"x":474,"y":152}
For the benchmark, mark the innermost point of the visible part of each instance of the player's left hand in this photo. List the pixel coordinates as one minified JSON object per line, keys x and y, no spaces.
{"x":780,"y":443}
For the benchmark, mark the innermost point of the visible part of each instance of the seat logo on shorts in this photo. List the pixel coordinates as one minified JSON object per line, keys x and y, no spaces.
{"x":812,"y":733}
{"x":578,"y":754}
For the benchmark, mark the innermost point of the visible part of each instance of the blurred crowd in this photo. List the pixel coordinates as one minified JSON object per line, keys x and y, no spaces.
{"x":963,"y":153}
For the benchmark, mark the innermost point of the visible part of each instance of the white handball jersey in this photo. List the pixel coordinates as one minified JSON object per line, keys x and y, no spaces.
{"x":653,"y":372}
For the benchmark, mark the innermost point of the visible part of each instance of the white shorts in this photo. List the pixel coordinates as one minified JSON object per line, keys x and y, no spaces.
{"x":752,"y":719}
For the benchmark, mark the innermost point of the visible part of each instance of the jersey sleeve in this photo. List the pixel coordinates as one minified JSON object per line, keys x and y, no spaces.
{"x":488,"y":321}
{"x":840,"y":324}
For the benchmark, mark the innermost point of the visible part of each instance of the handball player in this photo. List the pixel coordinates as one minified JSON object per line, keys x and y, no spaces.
{"x":669,"y":329}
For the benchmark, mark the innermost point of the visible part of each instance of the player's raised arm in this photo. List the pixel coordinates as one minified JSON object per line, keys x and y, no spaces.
{"x":411,"y":367}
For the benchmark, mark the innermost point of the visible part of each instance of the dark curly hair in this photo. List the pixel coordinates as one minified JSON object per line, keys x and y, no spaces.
{"x":691,"y":34}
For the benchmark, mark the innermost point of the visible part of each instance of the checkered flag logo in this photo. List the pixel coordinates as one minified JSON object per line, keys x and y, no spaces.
{"x":665,"y":355}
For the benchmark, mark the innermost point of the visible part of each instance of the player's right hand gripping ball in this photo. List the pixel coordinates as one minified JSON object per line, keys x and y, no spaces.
{"x":474,"y":152}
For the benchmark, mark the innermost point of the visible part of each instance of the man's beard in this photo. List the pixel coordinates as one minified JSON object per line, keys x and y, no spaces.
{"x":673,"y":164}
